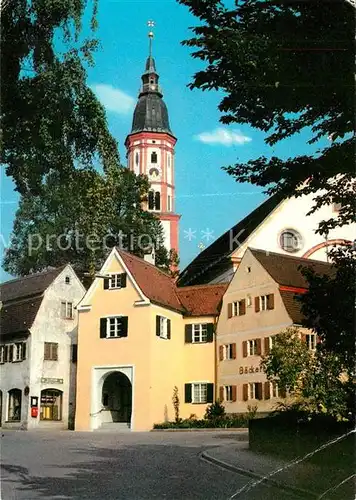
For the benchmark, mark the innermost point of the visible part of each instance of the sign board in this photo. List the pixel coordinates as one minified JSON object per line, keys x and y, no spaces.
{"x":51,"y":381}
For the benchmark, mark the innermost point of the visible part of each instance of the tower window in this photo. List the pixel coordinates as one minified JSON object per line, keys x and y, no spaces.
{"x":137,"y":158}
{"x":154,"y":157}
{"x":154,"y":200}
{"x":169,"y":203}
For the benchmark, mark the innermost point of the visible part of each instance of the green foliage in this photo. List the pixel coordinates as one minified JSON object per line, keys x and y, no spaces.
{"x":229,"y":421}
{"x":214,"y":411}
{"x":288,"y":360}
{"x":78,"y":221}
{"x":176,"y":403}
{"x":50,"y":119}
{"x":284,"y":67}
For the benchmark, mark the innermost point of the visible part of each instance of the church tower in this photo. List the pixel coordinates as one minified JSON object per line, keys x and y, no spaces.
{"x":150,"y":150}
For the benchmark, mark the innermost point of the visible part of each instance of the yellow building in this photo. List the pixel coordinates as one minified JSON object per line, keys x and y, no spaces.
{"x":139,"y":336}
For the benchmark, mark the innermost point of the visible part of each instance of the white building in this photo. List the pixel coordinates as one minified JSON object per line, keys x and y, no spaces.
{"x":281,"y":226}
{"x":38,"y":349}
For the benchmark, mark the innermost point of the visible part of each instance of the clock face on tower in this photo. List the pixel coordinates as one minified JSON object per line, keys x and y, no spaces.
{"x":154,"y":173}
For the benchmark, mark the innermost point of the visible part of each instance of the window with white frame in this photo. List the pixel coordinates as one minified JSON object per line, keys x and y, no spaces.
{"x":18,"y":352}
{"x":2,"y":354}
{"x":114,"y":327}
{"x":67,"y":280}
{"x":229,"y":351}
{"x":252,"y":347}
{"x":311,"y":341}
{"x":252,"y":390}
{"x":163,"y":327}
{"x":115,"y":280}
{"x":274,"y":390}
{"x":199,"y":393}
{"x":67,"y":310}
{"x":200,"y":332}
{"x":238,"y":308}
{"x":263,"y":302}
{"x":228,"y":396}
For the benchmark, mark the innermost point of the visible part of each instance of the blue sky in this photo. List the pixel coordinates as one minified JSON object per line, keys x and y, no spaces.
{"x":206,"y":197}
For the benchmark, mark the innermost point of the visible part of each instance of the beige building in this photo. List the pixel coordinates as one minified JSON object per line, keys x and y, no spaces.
{"x":139,"y":337}
{"x":258,"y":304}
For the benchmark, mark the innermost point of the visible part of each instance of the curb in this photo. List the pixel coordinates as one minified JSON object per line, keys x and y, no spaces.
{"x":245,"y":472}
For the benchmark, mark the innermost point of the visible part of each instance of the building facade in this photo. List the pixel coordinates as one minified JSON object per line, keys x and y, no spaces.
{"x":258,"y":304}
{"x":139,"y":338}
{"x":38,"y":349}
{"x":277,"y":225}
{"x":150,"y":151}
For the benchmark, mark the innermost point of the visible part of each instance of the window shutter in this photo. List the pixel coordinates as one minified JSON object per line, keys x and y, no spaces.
{"x":244,"y":348}
{"x":257,"y":304}
{"x":221,"y":353}
{"x":234,"y":393}
{"x":221,"y":393}
{"x":55,"y":352}
{"x":259,"y":347}
{"x":123,"y":280}
{"x":63,"y":310}
{"x":233,"y":351}
{"x":245,"y":392}
{"x":209,"y":393}
{"x":106,"y":283}
{"x":158,"y":326}
{"x":267,"y":390}
{"x":103,"y":322}
{"x":47,"y":351}
{"x":270,"y":301}
{"x":157,"y":200}
{"x":24,"y":350}
{"x":11,"y":353}
{"x":74,"y":353}
{"x":124,"y":326}
{"x":259,"y":390}
{"x":168,"y":328}
{"x":6,"y":354}
{"x":210,"y":332}
{"x":242,"y":307}
{"x":187,"y":393}
{"x":229,"y":310}
{"x":266,"y":347}
{"x":188,"y":334}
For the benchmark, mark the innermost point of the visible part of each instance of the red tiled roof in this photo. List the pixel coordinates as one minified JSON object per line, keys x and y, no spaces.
{"x":161,"y":289}
{"x":158,"y":286}
{"x":202,"y":300}
{"x":286,"y":269}
{"x":292,"y":306}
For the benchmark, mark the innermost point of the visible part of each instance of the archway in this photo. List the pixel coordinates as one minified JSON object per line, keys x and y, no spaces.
{"x":116,"y":398}
{"x":51,"y":404}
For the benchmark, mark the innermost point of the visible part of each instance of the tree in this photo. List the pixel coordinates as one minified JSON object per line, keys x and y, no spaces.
{"x":283,"y":67}
{"x":314,"y":380}
{"x":80,"y":220}
{"x":50,"y":119}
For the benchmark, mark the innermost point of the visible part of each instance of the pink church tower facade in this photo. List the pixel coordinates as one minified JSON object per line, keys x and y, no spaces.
{"x":150,"y":151}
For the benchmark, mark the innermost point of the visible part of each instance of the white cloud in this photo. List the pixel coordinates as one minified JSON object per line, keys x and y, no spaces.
{"x":223,"y":136}
{"x":113,"y":99}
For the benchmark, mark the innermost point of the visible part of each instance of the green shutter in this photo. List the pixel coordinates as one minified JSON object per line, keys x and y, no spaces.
{"x":124,"y":326}
{"x":123,"y":280}
{"x":210,"y":393}
{"x":168,"y":328}
{"x":103,"y":328}
{"x":188,"y":334}
{"x":158,"y":326}
{"x":187,"y":393}
{"x":210,"y":334}
{"x":106,"y":283}
{"x":24,"y":350}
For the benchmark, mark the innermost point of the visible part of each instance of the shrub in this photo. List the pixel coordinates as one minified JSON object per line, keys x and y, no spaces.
{"x":214,"y":411}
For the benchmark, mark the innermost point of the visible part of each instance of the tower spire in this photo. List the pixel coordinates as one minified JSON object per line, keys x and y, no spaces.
{"x":150,"y":24}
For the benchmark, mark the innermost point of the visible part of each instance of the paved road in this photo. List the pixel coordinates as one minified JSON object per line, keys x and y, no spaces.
{"x":73,"y":466}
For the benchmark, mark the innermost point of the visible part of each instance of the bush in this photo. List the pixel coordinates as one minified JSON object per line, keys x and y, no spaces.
{"x":214,"y":411}
{"x":227,"y":421}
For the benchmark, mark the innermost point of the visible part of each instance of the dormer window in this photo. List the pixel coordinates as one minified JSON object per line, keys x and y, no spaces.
{"x":154,"y":157}
{"x":115,"y":281}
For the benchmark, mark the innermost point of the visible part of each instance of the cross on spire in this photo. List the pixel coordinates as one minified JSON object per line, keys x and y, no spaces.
{"x":150,"y":24}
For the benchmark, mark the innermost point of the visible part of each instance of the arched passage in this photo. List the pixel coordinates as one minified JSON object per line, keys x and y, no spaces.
{"x":116,"y":398}
{"x":51,"y":404}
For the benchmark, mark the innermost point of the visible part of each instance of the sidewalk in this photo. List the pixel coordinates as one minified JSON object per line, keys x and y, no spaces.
{"x":238,"y":458}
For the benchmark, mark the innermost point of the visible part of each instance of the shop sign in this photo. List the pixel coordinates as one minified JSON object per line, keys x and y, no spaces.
{"x":51,"y":381}
{"x":245,"y":370}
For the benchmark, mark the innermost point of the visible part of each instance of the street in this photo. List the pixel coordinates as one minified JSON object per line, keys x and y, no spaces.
{"x":69,"y":465}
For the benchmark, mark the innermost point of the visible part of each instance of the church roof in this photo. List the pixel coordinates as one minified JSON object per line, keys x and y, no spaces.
{"x":216,"y":258}
{"x":151,"y":114}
